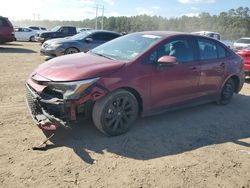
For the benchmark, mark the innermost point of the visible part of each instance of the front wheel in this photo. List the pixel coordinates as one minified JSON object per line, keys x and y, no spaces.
{"x":227,"y":92}
{"x":71,"y":51}
{"x":115,"y":113}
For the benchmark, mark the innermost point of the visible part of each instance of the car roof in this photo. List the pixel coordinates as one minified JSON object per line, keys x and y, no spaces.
{"x":104,"y":31}
{"x":166,"y":34}
{"x":162,"y":33}
{"x":245,"y":38}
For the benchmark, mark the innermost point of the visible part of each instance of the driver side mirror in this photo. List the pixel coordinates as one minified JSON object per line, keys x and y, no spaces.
{"x":167,"y":61}
{"x":88,"y":40}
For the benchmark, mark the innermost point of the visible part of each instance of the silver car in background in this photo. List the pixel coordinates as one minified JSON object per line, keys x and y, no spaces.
{"x":242,"y":43}
{"x":81,"y":42}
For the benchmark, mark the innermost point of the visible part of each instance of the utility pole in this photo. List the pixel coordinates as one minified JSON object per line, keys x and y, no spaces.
{"x":96,"y":14}
{"x":102,"y":15}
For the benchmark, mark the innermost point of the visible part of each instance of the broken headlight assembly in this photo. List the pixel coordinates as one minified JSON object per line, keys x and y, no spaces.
{"x":71,"y":90}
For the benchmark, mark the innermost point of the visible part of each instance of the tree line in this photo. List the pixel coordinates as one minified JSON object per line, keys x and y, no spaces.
{"x":232,"y":24}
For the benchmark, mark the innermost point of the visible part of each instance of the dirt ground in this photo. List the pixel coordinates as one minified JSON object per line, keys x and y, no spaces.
{"x":203,"y":146}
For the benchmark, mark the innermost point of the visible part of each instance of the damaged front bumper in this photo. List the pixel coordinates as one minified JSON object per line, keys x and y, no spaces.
{"x":40,"y":115}
{"x":50,"y":112}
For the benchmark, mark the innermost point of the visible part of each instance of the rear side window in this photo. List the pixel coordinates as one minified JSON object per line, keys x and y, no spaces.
{"x":4,"y":22}
{"x":207,"y":49}
{"x":72,"y":30}
{"x":35,"y":28}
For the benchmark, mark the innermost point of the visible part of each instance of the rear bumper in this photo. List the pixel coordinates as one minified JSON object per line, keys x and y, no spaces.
{"x":7,"y":38}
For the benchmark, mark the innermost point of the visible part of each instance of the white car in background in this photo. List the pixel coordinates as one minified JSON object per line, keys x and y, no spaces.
{"x":24,"y":34}
{"x":242,"y":43}
{"x":211,"y":34}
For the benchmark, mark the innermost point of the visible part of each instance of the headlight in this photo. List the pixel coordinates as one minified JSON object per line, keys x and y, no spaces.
{"x":72,"y":90}
{"x":54,"y":45}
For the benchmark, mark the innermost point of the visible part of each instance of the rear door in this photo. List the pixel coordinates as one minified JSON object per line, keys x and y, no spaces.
{"x":19,"y":34}
{"x":27,"y":33}
{"x":213,"y":58}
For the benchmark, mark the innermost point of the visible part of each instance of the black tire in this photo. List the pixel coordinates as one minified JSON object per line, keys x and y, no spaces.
{"x":71,"y":50}
{"x":32,"y":39}
{"x":114,"y":114}
{"x":227,"y":92}
{"x":1,"y":40}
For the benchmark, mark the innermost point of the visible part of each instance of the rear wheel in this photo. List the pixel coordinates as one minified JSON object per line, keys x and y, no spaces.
{"x":115,"y":113}
{"x":1,"y":40}
{"x":227,"y":92}
{"x":71,"y":51}
{"x":32,"y":39}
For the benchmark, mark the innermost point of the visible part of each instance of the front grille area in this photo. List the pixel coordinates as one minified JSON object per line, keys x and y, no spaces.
{"x":32,"y":103}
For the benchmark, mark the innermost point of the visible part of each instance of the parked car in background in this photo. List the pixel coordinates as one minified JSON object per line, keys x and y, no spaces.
{"x":6,"y":30}
{"x":211,"y":34}
{"x":228,"y":43}
{"x":38,"y":28}
{"x":24,"y":34}
{"x":137,"y":74}
{"x":245,"y":54}
{"x":56,"y":32}
{"x":83,"y":29}
{"x":242,"y":43}
{"x":82,"y":42}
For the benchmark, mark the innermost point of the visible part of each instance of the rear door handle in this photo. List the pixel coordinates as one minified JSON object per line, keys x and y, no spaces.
{"x":220,"y":68}
{"x":222,"y":65}
{"x":194,"y":68}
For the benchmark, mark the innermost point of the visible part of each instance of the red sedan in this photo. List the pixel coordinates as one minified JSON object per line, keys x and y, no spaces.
{"x":137,"y":74}
{"x":245,"y":54}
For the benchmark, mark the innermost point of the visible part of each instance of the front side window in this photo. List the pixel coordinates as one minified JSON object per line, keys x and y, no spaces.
{"x":111,"y":36}
{"x":64,"y":30}
{"x":99,"y":37}
{"x":181,"y":48}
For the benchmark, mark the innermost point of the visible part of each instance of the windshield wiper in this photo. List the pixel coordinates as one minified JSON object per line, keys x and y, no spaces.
{"x":102,"y":55}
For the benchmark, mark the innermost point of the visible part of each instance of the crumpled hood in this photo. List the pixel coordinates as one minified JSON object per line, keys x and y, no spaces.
{"x":78,"y":66}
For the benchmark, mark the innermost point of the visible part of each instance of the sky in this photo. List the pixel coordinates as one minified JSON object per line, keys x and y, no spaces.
{"x":82,"y":9}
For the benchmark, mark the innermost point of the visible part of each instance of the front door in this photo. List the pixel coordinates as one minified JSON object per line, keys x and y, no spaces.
{"x":179,"y":83}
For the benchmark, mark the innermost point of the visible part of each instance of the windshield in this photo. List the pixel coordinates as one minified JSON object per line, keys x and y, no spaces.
{"x":55,"y":28}
{"x":81,"y":35}
{"x":245,"y":41}
{"x":127,"y":47}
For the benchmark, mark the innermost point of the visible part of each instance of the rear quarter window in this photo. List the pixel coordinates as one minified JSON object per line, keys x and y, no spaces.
{"x":4,"y":22}
{"x":222,"y":53}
